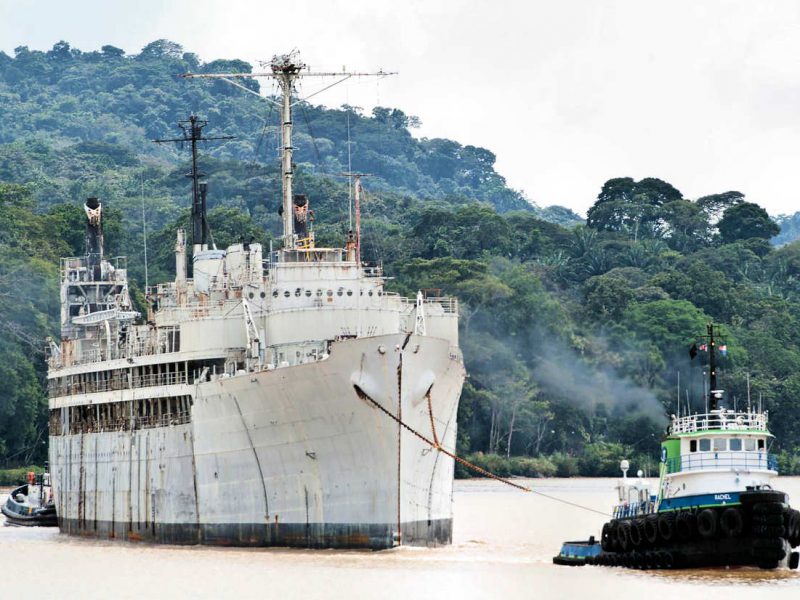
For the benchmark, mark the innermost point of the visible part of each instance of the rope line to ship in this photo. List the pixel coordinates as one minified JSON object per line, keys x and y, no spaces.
{"x":434,"y":443}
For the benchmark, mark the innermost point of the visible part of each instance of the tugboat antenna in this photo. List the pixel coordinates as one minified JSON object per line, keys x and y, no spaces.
{"x":712,"y":368}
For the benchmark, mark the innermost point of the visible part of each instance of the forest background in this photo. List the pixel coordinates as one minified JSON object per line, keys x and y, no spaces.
{"x":574,"y":330}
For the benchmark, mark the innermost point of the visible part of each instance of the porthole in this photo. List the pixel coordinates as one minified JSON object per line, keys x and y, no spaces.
{"x":369,"y":293}
{"x":286,"y":294}
{"x":319,"y":293}
{"x":339,"y":292}
{"x":297,"y":292}
{"x":251,"y":295}
{"x":349,"y":292}
{"x":274,"y":293}
{"x":263,"y":294}
{"x":330,"y":293}
{"x":380,"y":292}
{"x":308,"y":293}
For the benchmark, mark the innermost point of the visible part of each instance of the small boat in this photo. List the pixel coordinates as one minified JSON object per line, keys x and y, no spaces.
{"x":716,"y":503}
{"x":31,"y":504}
{"x":575,"y":554}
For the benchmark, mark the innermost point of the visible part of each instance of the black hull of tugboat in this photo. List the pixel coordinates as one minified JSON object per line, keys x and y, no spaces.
{"x":759,"y":532}
{"x":17,"y":513}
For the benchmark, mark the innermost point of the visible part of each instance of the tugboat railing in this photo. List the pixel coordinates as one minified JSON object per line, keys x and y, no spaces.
{"x":635,"y":509}
{"x":728,"y":461}
{"x":720,"y":420}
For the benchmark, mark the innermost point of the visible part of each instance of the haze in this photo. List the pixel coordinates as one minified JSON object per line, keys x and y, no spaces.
{"x":567,"y":94}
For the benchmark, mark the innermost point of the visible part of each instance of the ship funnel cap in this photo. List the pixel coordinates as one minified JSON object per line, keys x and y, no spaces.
{"x":93,"y":209}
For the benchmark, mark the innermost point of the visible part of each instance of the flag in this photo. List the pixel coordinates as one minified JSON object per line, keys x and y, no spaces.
{"x":723,"y":349}
{"x":693,"y":351}
{"x":703,"y":347}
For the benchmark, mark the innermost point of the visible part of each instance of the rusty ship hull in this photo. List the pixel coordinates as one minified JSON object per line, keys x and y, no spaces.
{"x":300,"y":456}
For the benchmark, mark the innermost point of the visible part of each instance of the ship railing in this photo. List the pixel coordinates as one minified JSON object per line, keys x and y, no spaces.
{"x":448,"y":303}
{"x":720,"y":420}
{"x":78,"y":264}
{"x":634,"y":509}
{"x":723,"y":461}
{"x":124,"y":423}
{"x":372,"y":270}
{"x":117,"y":383}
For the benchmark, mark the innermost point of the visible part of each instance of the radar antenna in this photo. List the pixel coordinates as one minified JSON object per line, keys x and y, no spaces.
{"x":286,"y":69}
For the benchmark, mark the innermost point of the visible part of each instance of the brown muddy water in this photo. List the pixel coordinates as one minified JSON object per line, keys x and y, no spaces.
{"x":504,"y":540}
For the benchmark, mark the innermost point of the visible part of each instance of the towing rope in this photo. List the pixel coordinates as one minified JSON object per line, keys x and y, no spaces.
{"x":434,"y":443}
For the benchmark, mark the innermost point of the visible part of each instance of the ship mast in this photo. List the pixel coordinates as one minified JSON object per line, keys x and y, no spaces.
{"x":193,"y":132}
{"x":286,"y":69}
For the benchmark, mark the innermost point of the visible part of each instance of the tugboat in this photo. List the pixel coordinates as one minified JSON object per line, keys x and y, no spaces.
{"x":31,"y":504}
{"x":716,"y":505}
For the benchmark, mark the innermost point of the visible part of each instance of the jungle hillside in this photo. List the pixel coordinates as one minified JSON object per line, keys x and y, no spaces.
{"x":574,"y":331}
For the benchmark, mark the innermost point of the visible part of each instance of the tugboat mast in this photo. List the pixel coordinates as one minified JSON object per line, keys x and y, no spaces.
{"x":286,"y":69}
{"x":712,"y":368}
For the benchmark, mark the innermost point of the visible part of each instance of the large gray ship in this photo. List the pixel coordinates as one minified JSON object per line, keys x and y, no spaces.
{"x":262,"y":401}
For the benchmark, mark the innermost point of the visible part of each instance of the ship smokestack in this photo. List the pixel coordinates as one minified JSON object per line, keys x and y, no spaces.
{"x":94,"y":235}
{"x":301,"y":216}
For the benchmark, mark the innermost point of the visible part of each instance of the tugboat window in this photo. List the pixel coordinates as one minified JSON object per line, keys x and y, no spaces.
{"x":735,"y":445}
{"x":761,"y":444}
{"x":720,"y":444}
{"x":705,"y":445}
{"x":692,"y":445}
{"x":750,"y":445}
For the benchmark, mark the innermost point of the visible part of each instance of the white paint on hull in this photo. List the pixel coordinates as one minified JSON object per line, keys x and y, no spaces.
{"x":287,"y":446}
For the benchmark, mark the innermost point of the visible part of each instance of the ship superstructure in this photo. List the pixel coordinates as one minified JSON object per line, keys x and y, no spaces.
{"x":248,"y":407}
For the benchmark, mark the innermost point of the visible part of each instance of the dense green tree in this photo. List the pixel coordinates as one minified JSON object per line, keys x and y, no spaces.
{"x":746,"y":220}
{"x":633,"y":207}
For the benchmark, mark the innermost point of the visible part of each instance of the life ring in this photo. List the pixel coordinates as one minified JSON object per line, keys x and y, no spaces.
{"x":731,"y":522}
{"x":707,"y":522}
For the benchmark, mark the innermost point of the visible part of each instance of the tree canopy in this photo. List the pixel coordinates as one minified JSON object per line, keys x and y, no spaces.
{"x":573,"y":334}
